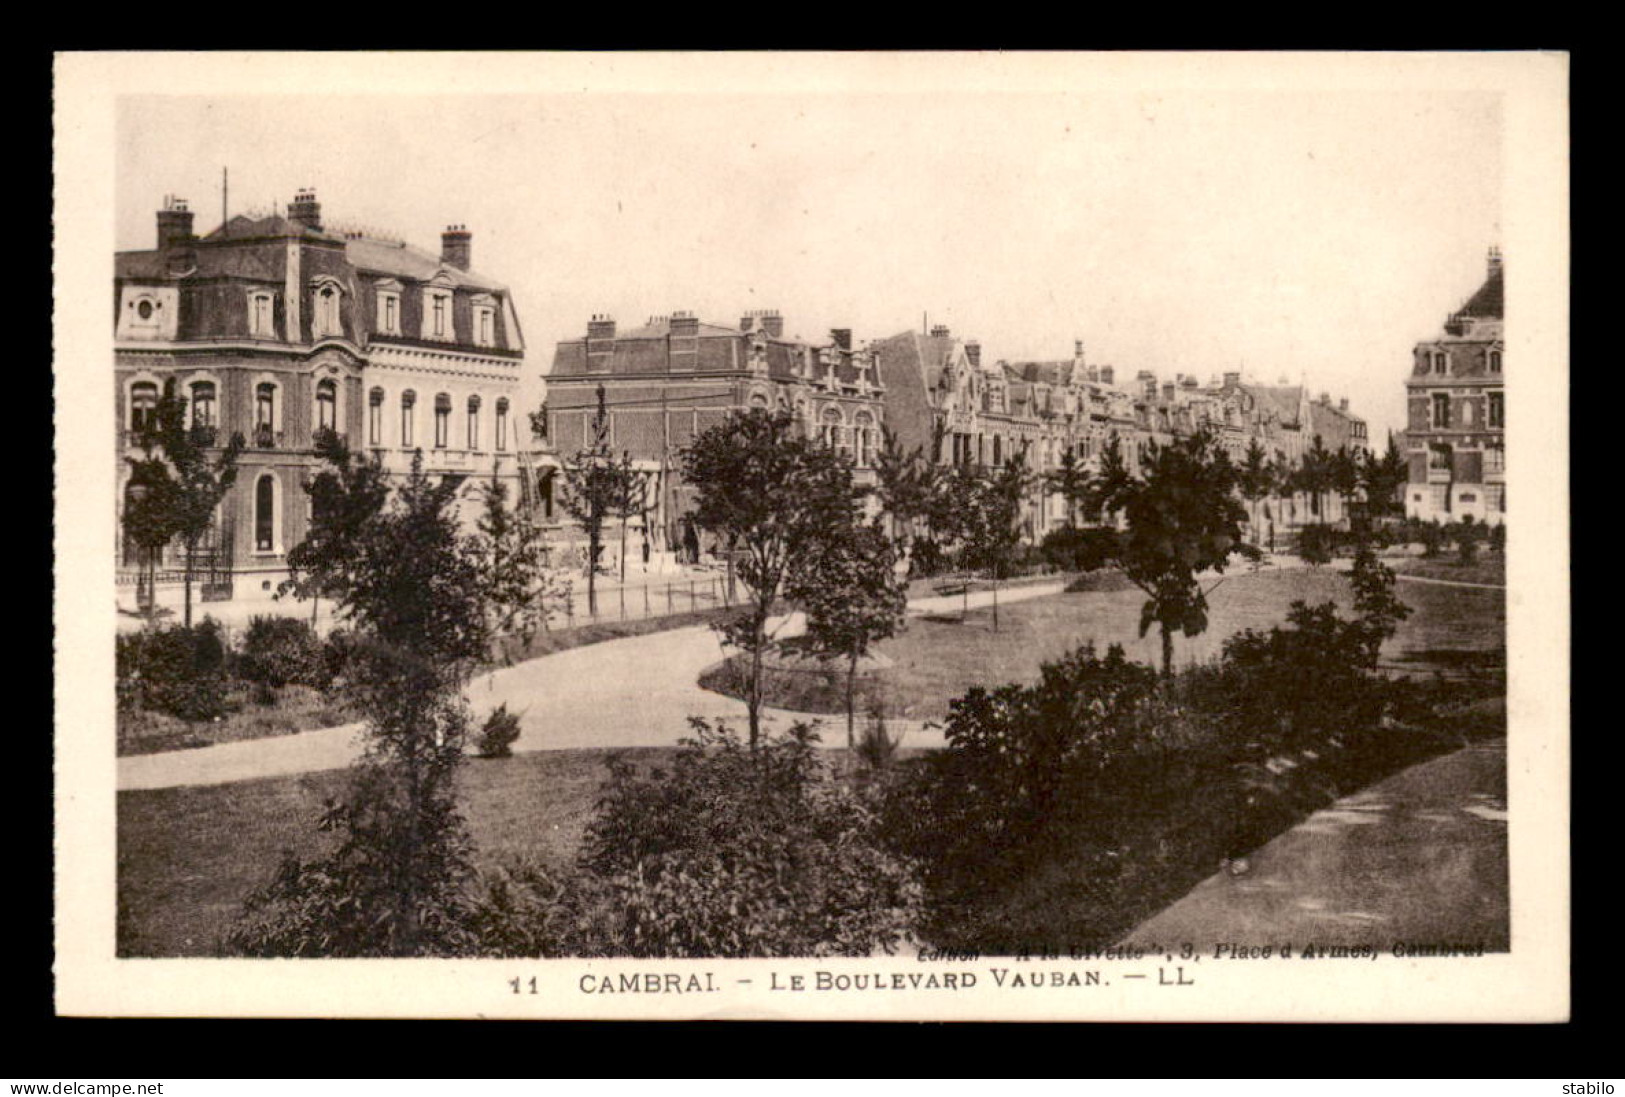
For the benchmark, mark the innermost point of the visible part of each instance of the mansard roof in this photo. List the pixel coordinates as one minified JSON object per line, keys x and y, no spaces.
{"x":1489,"y":303}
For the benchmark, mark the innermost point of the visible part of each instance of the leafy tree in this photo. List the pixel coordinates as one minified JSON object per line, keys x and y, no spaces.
{"x":1112,"y":482}
{"x":852,"y":597}
{"x":594,"y":487}
{"x":201,"y":475}
{"x":1072,"y":481}
{"x":520,"y":591}
{"x":772,"y":493}
{"x":395,"y":882}
{"x":1183,"y":519}
{"x":1255,"y":478}
{"x":991,"y":521}
{"x":152,"y":503}
{"x":1315,"y":474}
{"x":1382,"y":478}
{"x":1343,"y":475}
{"x":345,"y":497}
{"x":1379,"y":607}
{"x":903,"y":482}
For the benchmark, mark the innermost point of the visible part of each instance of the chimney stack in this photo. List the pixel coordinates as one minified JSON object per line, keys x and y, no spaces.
{"x":684,"y":325}
{"x":767,"y":321}
{"x":1107,"y":375}
{"x":1495,"y":261}
{"x":1326,"y":399}
{"x":841,"y":337}
{"x":174,"y":222}
{"x":1343,"y":403}
{"x":601,"y":326}
{"x":305,"y":210}
{"x":973,"y":353}
{"x":1232,"y":380}
{"x":939,"y":331}
{"x":1168,"y":392}
{"x":456,"y":246}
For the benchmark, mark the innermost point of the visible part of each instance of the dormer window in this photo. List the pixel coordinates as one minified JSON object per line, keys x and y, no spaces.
{"x":485,"y":321}
{"x":325,"y":320}
{"x":260,"y":315}
{"x":389,"y":308}
{"x":436,"y":313}
{"x":1441,"y":363}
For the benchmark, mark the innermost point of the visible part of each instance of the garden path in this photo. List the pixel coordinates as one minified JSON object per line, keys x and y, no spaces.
{"x":633,"y":692}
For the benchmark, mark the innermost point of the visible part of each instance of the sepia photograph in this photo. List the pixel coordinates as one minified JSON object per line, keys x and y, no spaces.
{"x":897,"y":536}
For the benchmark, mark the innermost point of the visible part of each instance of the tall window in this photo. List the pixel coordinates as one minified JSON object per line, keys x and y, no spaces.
{"x":865,"y":439}
{"x":442,"y":420}
{"x":1441,"y":410}
{"x":1495,"y":361}
{"x":203,"y":407}
{"x":327,"y":402}
{"x":265,"y":514}
{"x":327,"y":311}
{"x":143,"y":405}
{"x":1495,"y":459}
{"x":1498,"y":410}
{"x":389,"y":312}
{"x":485,"y":325}
{"x":408,"y":400}
{"x":259,"y":314}
{"x":265,"y":415}
{"x":1440,"y":362}
{"x":473,"y":422}
{"x":375,"y":417}
{"x":502,"y":423}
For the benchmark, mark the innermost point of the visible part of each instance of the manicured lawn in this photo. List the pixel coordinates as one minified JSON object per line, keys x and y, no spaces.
{"x":1490,"y":567}
{"x":939,"y":657}
{"x":297,"y":708}
{"x":188,"y":856}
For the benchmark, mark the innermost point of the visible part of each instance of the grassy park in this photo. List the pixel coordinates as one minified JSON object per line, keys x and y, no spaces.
{"x":187,"y":856}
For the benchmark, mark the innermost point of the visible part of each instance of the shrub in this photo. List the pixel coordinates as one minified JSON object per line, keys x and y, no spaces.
{"x":1079,"y":549}
{"x":177,"y":670}
{"x":1498,"y":537}
{"x":735,"y":852}
{"x":1467,"y":537}
{"x":1315,"y":544}
{"x":927,"y":558}
{"x":1432,"y":536}
{"x":498,"y":733}
{"x":279,"y":651}
{"x":876,"y":747}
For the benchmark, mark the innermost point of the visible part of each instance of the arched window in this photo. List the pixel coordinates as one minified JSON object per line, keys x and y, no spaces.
{"x":326,"y":320}
{"x":409,"y":400}
{"x":442,"y":420}
{"x":865,"y":432}
{"x":473,"y":422}
{"x":1495,"y":361}
{"x":143,"y":405}
{"x":835,"y":432}
{"x":265,"y":514}
{"x":375,"y":417}
{"x":502,"y":424}
{"x":327,"y":404}
{"x":265,"y":415}
{"x":203,"y":406}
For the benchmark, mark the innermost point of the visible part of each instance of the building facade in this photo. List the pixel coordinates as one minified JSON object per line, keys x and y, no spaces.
{"x":938,"y":386}
{"x":277,"y":328}
{"x":669,"y":379}
{"x":1456,"y":412}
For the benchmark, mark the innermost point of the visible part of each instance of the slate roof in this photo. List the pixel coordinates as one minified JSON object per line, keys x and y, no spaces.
{"x":1284,"y":399}
{"x":1489,"y":303}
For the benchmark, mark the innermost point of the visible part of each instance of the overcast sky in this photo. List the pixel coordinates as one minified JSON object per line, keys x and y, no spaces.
{"x":1311,"y":236}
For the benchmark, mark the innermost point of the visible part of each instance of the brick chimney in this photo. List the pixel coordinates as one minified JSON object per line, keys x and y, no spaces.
{"x":174,"y":222}
{"x":1232,"y":380}
{"x":456,"y":246}
{"x":773,"y":323}
{"x":973,"y":352}
{"x":305,"y":210}
{"x":1168,"y":392}
{"x":939,"y":331}
{"x":1494,"y":261}
{"x":684,"y":325}
{"x":1343,"y":403}
{"x":1326,"y":399}
{"x":601,"y":326}
{"x":1107,"y":375}
{"x":841,"y":337}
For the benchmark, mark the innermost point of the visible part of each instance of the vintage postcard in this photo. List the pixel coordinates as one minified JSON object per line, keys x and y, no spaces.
{"x":891,"y":536}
